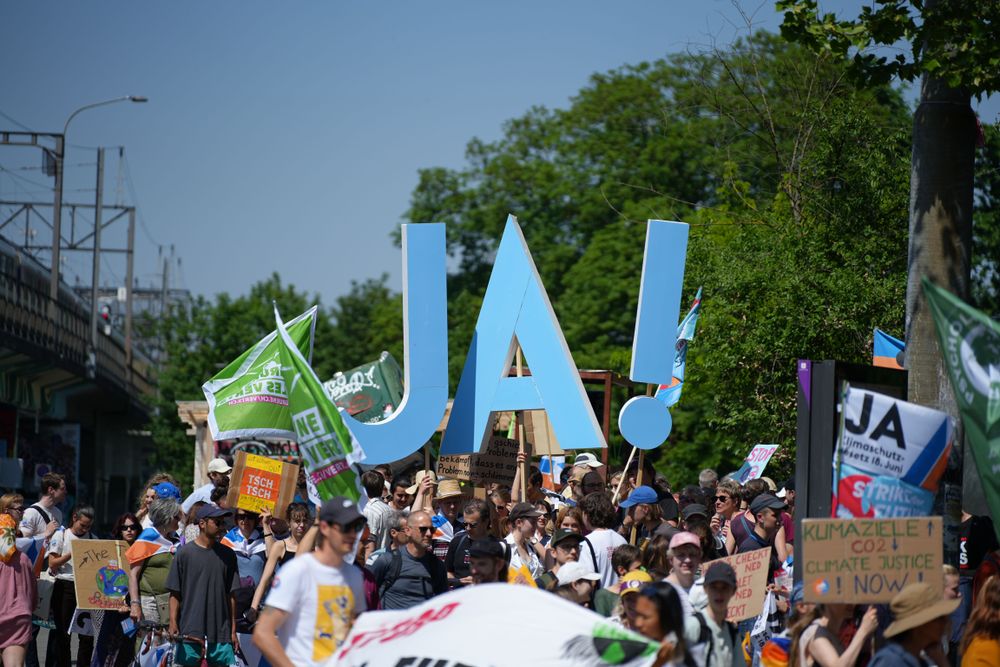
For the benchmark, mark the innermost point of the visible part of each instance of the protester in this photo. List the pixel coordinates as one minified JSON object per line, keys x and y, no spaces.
{"x":956,"y":622}
{"x":385,"y":470}
{"x":314,"y":600}
{"x":566,"y":549}
{"x":626,"y":558}
{"x":533,"y":487}
{"x":695,"y":520}
{"x":476,"y":517}
{"x":627,"y":587}
{"x":719,"y":636}
{"x":18,"y":587}
{"x":708,"y":480}
{"x":218,"y":475}
{"x":447,"y":521}
{"x":397,"y":539}
{"x":570,"y":518}
{"x":282,"y":551}
{"x":400,"y":499}
{"x":524,"y":548}
{"x":191,"y":523}
{"x":726,"y":505}
{"x":581,"y":580}
{"x":920,"y":617}
{"x":599,"y":520}
{"x":743,"y":523}
{"x":587,"y":460}
{"x":573,"y":490}
{"x":376,"y":511}
{"x":150,"y":559}
{"x":787,"y":493}
{"x":408,"y":576}
{"x":111,"y":647}
{"x":422,"y":491}
{"x":542,"y":522}
{"x":247,"y":543}
{"x":500,"y":498}
{"x":202,"y":581}
{"x":655,"y":559}
{"x":816,"y":637}
{"x":766,"y":510}
{"x":642,"y":513}
{"x":981,"y":644}
{"x":149,"y":495}
{"x":219,"y":497}
{"x":660,"y":617}
{"x":36,"y":518}
{"x":685,"y":559}
{"x":64,"y":591}
{"x":487,"y":562}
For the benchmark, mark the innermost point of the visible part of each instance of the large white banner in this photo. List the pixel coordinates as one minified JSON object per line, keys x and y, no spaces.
{"x":499,"y":625}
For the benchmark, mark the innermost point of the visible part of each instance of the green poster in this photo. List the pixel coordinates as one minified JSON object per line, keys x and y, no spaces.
{"x":970,"y":343}
{"x":327,"y":447}
{"x":248,"y":398}
{"x":370,"y":392}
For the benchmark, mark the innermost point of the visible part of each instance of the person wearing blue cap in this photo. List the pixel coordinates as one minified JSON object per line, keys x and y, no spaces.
{"x":642,"y":512}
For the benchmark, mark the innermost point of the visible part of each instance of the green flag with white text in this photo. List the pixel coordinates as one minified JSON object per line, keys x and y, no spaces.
{"x":248,"y":398}
{"x":327,"y":447}
{"x":970,"y":343}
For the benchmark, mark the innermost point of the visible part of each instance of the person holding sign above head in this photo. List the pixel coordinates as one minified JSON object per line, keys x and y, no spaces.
{"x":316,"y":597}
{"x":64,"y":591}
{"x":218,"y":475}
{"x":920,"y":618}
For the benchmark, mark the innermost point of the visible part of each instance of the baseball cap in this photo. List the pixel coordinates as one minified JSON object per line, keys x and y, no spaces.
{"x":219,"y":465}
{"x":210,"y":511}
{"x":574,"y":571}
{"x":633,"y":581}
{"x":587,"y":459}
{"x":642,"y":495}
{"x":561,"y":535}
{"x":766,"y":501}
{"x":524,"y":511}
{"x":339,"y":510}
{"x":668,"y":507}
{"x":684,"y":537}
{"x":789,"y":485}
{"x":723,"y":572}
{"x":694,"y":509}
{"x":167,"y":490}
{"x":486,"y":549}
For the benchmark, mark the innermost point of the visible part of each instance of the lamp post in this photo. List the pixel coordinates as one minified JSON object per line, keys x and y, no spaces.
{"x":59,"y":153}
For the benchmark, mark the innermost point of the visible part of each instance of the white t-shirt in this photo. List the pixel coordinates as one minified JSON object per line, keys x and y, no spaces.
{"x":59,"y":546}
{"x":202,"y":493}
{"x":33,"y":523}
{"x":534,"y":565}
{"x":605,"y":542}
{"x":321,"y":602}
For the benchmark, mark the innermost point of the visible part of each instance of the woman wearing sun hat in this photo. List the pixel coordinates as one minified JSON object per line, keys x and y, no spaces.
{"x":920,"y":618}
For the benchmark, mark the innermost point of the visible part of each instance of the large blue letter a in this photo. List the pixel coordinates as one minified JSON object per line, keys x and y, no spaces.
{"x":516,"y":304}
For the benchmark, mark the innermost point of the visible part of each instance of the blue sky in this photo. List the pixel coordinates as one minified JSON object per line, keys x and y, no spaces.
{"x":287,"y":136}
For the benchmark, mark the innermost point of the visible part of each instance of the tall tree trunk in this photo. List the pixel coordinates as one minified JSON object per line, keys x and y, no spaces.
{"x":941,"y":188}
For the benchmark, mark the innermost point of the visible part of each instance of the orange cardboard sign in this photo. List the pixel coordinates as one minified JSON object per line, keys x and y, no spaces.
{"x":262,"y":483}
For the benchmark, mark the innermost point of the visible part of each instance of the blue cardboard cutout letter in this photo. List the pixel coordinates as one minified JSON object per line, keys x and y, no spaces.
{"x":425,"y":351}
{"x":644,"y":421}
{"x":516,"y":305}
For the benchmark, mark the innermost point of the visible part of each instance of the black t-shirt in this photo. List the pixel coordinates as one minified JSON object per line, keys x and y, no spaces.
{"x":204,"y":579}
{"x":976,"y":539}
{"x":457,"y":559}
{"x":753,"y":542}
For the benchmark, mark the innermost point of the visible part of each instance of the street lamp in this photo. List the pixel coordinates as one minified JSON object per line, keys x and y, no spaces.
{"x":59,"y":154}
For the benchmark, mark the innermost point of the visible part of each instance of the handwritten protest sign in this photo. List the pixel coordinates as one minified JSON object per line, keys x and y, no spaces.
{"x":497,"y":462}
{"x":869,"y":560}
{"x":751,"y":583}
{"x":100,"y":577}
{"x":262,"y":483}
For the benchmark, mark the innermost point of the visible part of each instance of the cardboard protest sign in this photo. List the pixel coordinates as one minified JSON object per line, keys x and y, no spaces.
{"x":100,"y":576}
{"x":751,"y":583}
{"x":869,"y":560}
{"x":496,"y":463}
{"x":260,"y":482}
{"x":890,"y":456}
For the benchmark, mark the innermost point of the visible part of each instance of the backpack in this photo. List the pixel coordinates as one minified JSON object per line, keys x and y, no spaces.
{"x":705,"y":635}
{"x":392,"y":576}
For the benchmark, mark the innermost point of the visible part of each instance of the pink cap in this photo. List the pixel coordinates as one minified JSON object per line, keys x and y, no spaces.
{"x":685,"y":537}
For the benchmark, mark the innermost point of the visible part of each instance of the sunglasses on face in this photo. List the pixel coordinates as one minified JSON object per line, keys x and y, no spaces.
{"x":129,"y":526}
{"x":424,"y":529}
{"x":355,"y":526}
{"x":244,"y":517}
{"x":721,"y":499}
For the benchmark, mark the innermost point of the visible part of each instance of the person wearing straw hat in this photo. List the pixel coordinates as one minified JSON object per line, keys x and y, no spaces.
{"x":920,"y":618}
{"x":448,"y":520}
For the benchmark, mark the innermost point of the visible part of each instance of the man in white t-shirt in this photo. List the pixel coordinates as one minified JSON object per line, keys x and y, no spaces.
{"x":36,"y":518}
{"x":218,"y":477}
{"x":599,"y":519}
{"x":315,"y":598}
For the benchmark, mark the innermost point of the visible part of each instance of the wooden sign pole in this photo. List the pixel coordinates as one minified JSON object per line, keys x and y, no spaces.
{"x":520,"y":432}
{"x":638,"y":482}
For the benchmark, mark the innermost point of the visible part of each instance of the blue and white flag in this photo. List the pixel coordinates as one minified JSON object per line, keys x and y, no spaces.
{"x":671,"y":393}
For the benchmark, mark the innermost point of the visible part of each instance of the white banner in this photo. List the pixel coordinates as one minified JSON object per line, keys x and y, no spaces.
{"x":494,"y":624}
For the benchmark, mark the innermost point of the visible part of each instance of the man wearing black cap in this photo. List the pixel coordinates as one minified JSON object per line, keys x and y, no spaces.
{"x":565,"y":546}
{"x":316,"y":596}
{"x":719,"y":636}
{"x":202,"y":581}
{"x":766,"y":510}
{"x":487,"y":562}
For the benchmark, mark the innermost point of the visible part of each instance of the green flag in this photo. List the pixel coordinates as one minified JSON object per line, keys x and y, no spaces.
{"x":970,"y":343}
{"x":248,"y":398}
{"x":327,"y":447}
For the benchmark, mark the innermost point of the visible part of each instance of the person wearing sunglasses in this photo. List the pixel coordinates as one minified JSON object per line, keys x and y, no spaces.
{"x":249,"y":544}
{"x":410,"y":575}
{"x":316,"y":596}
{"x":457,"y":562}
{"x":111,"y":646}
{"x":726,"y":503}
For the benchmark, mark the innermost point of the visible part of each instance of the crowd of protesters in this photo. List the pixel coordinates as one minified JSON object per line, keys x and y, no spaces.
{"x":225,"y":584}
